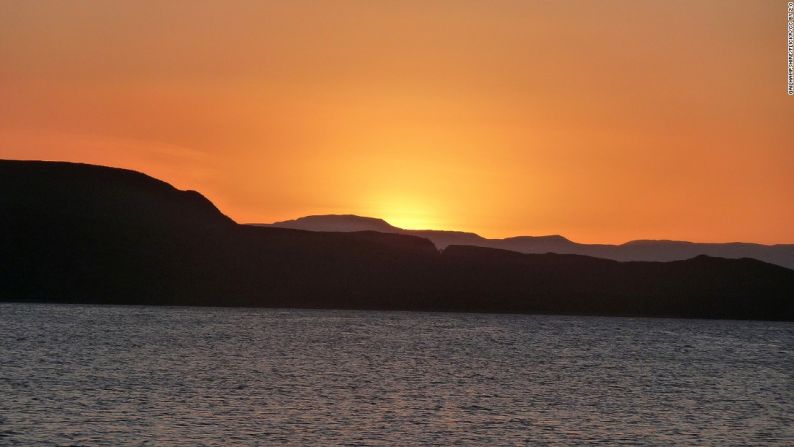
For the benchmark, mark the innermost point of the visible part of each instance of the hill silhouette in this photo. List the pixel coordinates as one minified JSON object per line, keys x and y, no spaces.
{"x":639,"y":250}
{"x":77,"y":233}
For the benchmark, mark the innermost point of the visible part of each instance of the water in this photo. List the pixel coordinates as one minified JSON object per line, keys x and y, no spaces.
{"x":91,"y":375}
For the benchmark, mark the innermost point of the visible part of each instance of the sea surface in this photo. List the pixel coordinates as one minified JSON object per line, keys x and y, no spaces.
{"x":127,"y":375}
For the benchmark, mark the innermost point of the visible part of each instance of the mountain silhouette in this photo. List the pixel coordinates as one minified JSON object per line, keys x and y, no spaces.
{"x":337,"y":222}
{"x":639,"y":250}
{"x":349,"y":223}
{"x":75,"y":233}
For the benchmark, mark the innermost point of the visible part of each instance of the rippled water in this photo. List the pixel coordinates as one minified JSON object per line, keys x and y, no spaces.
{"x":90,"y":375}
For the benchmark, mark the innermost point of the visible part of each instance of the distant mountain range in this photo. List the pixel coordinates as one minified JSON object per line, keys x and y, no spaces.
{"x":75,"y":233}
{"x":640,"y":250}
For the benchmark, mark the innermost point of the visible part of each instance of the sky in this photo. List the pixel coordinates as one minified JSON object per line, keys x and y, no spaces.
{"x":602,"y":121}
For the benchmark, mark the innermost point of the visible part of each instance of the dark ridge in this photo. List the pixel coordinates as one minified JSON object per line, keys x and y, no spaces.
{"x":113,"y":194}
{"x":77,"y":233}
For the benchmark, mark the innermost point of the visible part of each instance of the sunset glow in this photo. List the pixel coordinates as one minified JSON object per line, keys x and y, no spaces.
{"x":602,"y":121}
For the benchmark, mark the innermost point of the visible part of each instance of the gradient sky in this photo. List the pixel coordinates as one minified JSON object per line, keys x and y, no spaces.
{"x":602,"y":121}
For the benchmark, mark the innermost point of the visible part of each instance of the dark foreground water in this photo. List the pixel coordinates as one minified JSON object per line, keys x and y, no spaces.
{"x":88,"y":375}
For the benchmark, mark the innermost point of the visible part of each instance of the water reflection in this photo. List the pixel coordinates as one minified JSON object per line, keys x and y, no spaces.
{"x":187,"y":376}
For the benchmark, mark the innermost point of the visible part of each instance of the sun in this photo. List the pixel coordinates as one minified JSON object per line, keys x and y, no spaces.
{"x":408,"y":213}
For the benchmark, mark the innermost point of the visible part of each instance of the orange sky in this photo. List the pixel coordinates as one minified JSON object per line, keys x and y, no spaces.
{"x":602,"y":121}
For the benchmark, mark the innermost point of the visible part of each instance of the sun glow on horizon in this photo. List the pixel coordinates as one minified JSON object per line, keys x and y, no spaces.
{"x":407,"y":212}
